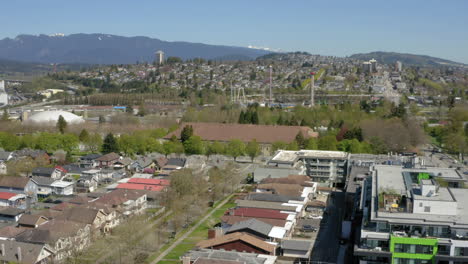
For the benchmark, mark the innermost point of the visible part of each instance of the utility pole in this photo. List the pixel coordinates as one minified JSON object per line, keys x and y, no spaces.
{"x":271,"y":83}
{"x":312,"y":89}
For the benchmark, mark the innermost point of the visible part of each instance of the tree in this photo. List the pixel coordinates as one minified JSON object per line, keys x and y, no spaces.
{"x":254,"y":117}
{"x":61,"y":124}
{"x":241,"y":117}
{"x":5,"y":116}
{"x":279,"y":145}
{"x":311,"y":143}
{"x":252,"y":149}
{"x":355,"y":146}
{"x":110,"y":144}
{"x":186,"y":133}
{"x":327,"y":142}
{"x":9,"y":142}
{"x":378,"y":145}
{"x":102,"y":119}
{"x":194,"y":146}
{"x":48,"y":142}
{"x":68,"y":142}
{"x":399,"y":111}
{"x":173,"y":147}
{"x":84,"y":135}
{"x":300,"y":140}
{"x":127,"y":144}
{"x":173,"y":60}
{"x":153,"y":145}
{"x":235,"y":148}
{"x":215,"y":148}
{"x":93,"y":143}
{"x":141,"y":109}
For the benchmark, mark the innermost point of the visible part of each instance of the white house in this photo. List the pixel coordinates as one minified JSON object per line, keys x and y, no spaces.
{"x":62,"y":187}
{"x":3,"y":168}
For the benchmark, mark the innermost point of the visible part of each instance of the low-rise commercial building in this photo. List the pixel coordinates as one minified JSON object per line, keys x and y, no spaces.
{"x":328,"y":168}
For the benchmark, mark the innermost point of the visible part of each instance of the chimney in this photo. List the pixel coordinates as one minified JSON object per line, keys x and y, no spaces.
{"x":3,"y":250}
{"x":20,"y":257}
{"x":185,"y":260}
{"x":218,"y":232}
{"x":211,"y":233}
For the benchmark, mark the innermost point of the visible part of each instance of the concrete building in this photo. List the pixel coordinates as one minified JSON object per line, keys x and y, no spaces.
{"x":398,"y":66}
{"x":408,"y":217}
{"x":328,"y":168}
{"x":366,"y":66}
{"x":159,"y":57}
{"x":3,"y":94}
{"x":373,"y":62}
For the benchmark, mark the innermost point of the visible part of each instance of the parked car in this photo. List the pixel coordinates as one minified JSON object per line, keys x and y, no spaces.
{"x":309,"y":228}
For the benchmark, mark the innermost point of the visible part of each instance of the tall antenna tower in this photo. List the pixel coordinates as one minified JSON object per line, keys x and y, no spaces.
{"x":232,"y":94}
{"x":271,"y":84}
{"x":312,"y":89}
{"x":240,"y":98}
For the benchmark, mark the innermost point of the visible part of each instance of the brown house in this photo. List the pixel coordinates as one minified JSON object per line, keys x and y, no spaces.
{"x":31,"y":221}
{"x":240,"y":242}
{"x":108,"y":160}
{"x":265,"y":135}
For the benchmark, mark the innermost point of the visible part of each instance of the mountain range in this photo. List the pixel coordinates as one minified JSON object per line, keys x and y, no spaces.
{"x":407,"y":59}
{"x":112,"y":49}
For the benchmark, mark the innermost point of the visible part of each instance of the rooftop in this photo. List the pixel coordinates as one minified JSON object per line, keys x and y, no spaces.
{"x":247,"y":258}
{"x":292,"y":156}
{"x":429,"y":203}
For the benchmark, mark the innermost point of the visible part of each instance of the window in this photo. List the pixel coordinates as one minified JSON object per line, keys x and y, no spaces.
{"x":427,"y":209}
{"x":420,"y":204}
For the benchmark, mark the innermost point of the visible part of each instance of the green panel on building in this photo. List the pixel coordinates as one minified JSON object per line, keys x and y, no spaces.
{"x":428,"y":244}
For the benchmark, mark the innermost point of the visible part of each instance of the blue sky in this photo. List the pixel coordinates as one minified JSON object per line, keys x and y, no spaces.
{"x":328,"y":27}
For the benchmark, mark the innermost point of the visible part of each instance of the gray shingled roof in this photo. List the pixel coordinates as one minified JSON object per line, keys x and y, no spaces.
{"x":264,"y":205}
{"x":302,"y":245}
{"x":42,"y":171}
{"x":180,"y":162}
{"x":30,"y":252}
{"x":44,"y":181}
{"x":269,"y":197}
{"x":4,"y":155}
{"x":251,"y":224}
{"x":90,"y":157}
{"x":247,"y":258}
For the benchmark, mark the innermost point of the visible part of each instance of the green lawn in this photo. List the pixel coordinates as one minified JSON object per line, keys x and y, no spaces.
{"x":199,"y":234}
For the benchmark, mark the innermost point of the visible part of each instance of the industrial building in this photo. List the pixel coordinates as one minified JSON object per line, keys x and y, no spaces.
{"x":412,"y":216}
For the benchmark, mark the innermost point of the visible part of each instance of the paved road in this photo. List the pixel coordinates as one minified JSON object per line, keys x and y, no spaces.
{"x":326,"y":246}
{"x":184,"y":236}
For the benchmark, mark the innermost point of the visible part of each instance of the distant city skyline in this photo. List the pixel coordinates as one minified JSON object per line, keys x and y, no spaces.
{"x":339,"y":28}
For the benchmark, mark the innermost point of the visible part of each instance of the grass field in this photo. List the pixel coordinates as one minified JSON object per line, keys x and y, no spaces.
{"x":199,"y":234}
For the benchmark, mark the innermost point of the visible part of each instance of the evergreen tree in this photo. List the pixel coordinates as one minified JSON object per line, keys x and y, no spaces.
{"x":255,"y":117}
{"x":61,"y":124}
{"x":84,"y":135}
{"x":241,"y":117}
{"x":110,"y":144}
{"x":186,"y":133}
{"x":300,"y":140}
{"x":248,"y":117}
